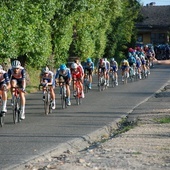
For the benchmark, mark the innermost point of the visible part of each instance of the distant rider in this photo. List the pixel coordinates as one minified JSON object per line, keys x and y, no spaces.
{"x":47,"y":79}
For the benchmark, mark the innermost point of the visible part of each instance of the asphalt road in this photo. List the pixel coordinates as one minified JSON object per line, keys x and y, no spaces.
{"x":40,"y":133}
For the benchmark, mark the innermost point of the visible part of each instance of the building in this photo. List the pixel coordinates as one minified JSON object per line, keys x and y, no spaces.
{"x":154,"y":27}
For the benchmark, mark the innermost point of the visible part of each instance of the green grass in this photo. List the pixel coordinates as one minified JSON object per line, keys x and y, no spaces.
{"x":33,"y":80}
{"x":163,"y":120}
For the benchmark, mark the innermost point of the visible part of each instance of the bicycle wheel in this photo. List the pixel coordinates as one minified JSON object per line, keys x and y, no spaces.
{"x":86,"y":86}
{"x":62,"y":98}
{"x":2,"y":120}
{"x":47,"y":103}
{"x":78,"y":96}
{"x":15,"y":110}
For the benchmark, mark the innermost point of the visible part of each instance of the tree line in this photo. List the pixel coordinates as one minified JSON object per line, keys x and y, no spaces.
{"x":40,"y":32}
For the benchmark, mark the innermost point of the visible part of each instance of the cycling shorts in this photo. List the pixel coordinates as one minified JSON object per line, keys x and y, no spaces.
{"x":66,"y":79}
{"x":124,"y":67}
{"x":18,"y":81}
{"x":88,"y":71}
{"x":113,"y":68}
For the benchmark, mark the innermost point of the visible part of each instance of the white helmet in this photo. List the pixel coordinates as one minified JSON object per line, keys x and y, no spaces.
{"x":74,"y":66}
{"x":16,"y":64}
{"x":45,"y":70}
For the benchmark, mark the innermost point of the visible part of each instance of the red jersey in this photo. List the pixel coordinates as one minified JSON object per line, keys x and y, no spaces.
{"x":77,"y":73}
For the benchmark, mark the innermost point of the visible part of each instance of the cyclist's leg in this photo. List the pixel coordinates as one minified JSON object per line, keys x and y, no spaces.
{"x":90,"y":78}
{"x":68,"y":91}
{"x":13,"y":84}
{"x":107,"y":77}
{"x":4,"y":98}
{"x":21,"y":85}
{"x":82,"y":88}
{"x":52,"y":96}
{"x":123,"y":72}
{"x":116,"y":77}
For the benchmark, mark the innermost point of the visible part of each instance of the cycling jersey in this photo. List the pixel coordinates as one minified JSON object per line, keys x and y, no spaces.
{"x":19,"y":76}
{"x":107,"y":65}
{"x":66,"y":74}
{"x":89,"y":67}
{"x":113,"y":66}
{"x":3,"y":78}
{"x":76,"y":73}
{"x":47,"y":77}
{"x":124,"y":64}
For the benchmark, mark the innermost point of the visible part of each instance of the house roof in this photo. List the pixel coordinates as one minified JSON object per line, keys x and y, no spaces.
{"x":155,"y":16}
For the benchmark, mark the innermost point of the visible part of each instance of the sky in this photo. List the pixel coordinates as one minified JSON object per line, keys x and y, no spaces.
{"x":158,"y":2}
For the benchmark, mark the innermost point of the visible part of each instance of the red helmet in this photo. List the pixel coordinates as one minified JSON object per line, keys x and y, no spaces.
{"x":130,"y":50}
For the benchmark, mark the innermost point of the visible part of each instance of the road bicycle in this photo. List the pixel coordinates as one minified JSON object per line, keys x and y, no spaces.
{"x":112,"y":78}
{"x":63,"y":93}
{"x":78,"y":90}
{"x":131,"y":73}
{"x":86,"y":83}
{"x":2,"y":116}
{"x":101,"y":81}
{"x":47,"y":99}
{"x":16,"y":105}
{"x":125,"y":75}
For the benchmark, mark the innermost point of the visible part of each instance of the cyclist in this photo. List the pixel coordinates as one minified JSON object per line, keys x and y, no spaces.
{"x":77,"y":61}
{"x":88,"y":69}
{"x":138,"y":66}
{"x":107,"y":70}
{"x":17,"y":76}
{"x":102,"y":68}
{"x":65,"y":73}
{"x":132,"y":60}
{"x":4,"y":86}
{"x":77,"y":74}
{"x":47,"y":79}
{"x":124,"y":65}
{"x":114,"y":69}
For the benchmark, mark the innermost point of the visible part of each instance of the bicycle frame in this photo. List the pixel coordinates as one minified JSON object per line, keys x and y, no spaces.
{"x":47,"y":101}
{"x":78,"y":89}
{"x":112,"y":77}
{"x":63,"y":94}
{"x":1,"y":116}
{"x":101,"y":81}
{"x":16,"y":105}
{"x":86,"y":83}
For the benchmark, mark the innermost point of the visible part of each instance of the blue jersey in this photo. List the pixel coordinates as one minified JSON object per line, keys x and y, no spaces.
{"x":89,"y":66}
{"x":65,"y":74}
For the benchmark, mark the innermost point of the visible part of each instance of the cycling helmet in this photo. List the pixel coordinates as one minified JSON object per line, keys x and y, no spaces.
{"x":16,"y":64}
{"x":63,"y":67}
{"x":45,"y":70}
{"x":74,"y":66}
{"x":112,"y":60}
{"x":130,"y":50}
{"x":105,"y":59}
{"x":89,"y":60}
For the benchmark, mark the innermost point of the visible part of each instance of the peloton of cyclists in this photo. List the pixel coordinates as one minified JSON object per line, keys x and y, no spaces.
{"x":65,"y":73}
{"x":4,"y":86}
{"x":17,"y":76}
{"x":47,"y":79}
{"x":114,"y":69}
{"x":78,"y":75}
{"x":88,"y":69}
